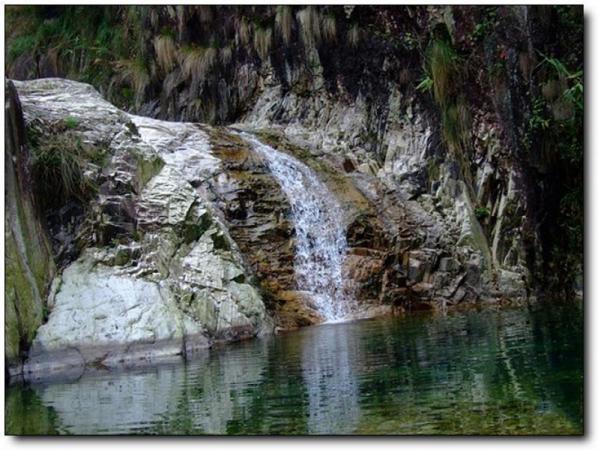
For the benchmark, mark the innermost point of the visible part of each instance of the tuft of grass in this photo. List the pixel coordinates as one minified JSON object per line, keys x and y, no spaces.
{"x":354,"y":36}
{"x":262,"y":42}
{"x":442,"y":68}
{"x":134,"y":73}
{"x":197,"y":61}
{"x":309,"y":20}
{"x":166,"y":53}
{"x":456,"y":123}
{"x":442,"y":79}
{"x":21,"y":45}
{"x":226,"y":55}
{"x":71,"y":122}
{"x":571,"y":82}
{"x":58,"y":164}
{"x":328,"y":27}
{"x":243,"y":32}
{"x":426,"y":84}
{"x":284,"y":22}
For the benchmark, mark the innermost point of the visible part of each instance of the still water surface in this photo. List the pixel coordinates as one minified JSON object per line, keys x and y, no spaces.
{"x":516,"y":371}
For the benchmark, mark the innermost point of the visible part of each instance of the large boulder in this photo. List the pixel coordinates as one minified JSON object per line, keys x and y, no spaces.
{"x":153,"y":272}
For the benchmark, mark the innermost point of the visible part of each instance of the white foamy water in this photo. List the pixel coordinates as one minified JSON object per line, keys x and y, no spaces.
{"x":321,"y":241}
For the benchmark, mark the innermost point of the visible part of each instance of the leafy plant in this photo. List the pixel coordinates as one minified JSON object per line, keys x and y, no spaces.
{"x":574,"y":94}
{"x":426,"y":84}
{"x":484,"y":26}
{"x":481,"y":212}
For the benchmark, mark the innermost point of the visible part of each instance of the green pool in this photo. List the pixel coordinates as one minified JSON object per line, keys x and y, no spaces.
{"x":514,"y":371}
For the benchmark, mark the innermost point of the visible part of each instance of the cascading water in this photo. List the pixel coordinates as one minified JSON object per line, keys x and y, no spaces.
{"x":321,"y":241}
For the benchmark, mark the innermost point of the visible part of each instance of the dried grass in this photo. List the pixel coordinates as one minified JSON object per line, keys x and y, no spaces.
{"x":262,"y":42}
{"x":328,"y":27}
{"x":166,"y":53}
{"x":309,"y":20}
{"x":354,"y":36}
{"x":284,"y":22}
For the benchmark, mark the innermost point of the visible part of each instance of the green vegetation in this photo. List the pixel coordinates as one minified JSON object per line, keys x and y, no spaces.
{"x":166,"y":52}
{"x":71,"y":122}
{"x":478,"y":62}
{"x":443,"y":79}
{"x":426,"y":84}
{"x":482,"y":212}
{"x":134,"y":73}
{"x":441,"y":65}
{"x":555,"y":132}
{"x":486,"y":25}
{"x":58,"y":164}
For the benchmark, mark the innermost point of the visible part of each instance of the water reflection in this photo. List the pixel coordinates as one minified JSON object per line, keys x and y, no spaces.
{"x":507,"y":372}
{"x":330,"y":359}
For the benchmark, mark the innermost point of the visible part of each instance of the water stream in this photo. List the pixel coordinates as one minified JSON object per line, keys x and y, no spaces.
{"x":321,"y":241}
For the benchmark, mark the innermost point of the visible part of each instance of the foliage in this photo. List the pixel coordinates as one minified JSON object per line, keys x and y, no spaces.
{"x":441,"y":64}
{"x":197,"y":61}
{"x":574,"y":93}
{"x":442,"y":78}
{"x":481,"y":212}
{"x":554,"y":132}
{"x":329,"y":28}
{"x":426,"y":84}
{"x":484,"y":26}
{"x":166,"y":52}
{"x":135,"y":74}
{"x":71,"y":122}
{"x":21,"y":45}
{"x":58,"y":163}
{"x":456,"y":124}
{"x":243,"y":33}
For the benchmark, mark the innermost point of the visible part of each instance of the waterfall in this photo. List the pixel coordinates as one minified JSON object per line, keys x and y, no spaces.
{"x":321,"y":241}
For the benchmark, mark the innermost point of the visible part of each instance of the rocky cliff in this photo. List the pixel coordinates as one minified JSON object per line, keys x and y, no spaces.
{"x":28,"y":259}
{"x":441,"y":130}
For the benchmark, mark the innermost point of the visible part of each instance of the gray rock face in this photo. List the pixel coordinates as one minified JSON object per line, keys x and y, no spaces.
{"x":404,"y":165}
